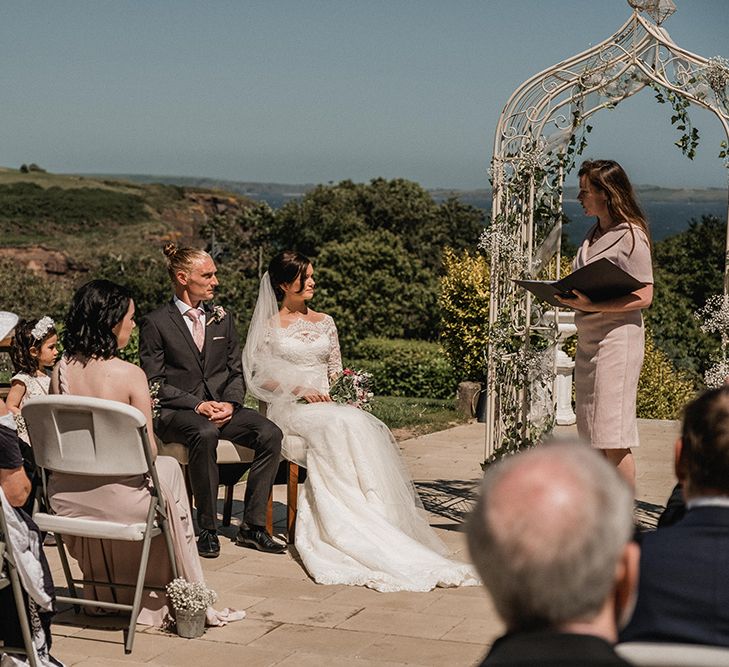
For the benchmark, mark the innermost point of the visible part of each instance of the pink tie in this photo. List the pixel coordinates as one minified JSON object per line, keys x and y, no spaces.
{"x":198,"y":333}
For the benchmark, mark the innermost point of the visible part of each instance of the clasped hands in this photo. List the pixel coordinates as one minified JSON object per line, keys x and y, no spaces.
{"x":216,"y":411}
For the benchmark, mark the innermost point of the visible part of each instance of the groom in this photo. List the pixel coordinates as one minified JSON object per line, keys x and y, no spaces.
{"x":192,"y":351}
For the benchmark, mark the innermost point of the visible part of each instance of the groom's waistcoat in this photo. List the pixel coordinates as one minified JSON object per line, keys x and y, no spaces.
{"x":186,"y":375}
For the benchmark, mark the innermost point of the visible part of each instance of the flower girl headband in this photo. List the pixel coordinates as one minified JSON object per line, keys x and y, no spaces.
{"x":42,"y":327}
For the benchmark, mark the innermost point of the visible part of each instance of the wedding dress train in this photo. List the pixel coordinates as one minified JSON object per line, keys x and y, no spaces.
{"x":360,"y":520}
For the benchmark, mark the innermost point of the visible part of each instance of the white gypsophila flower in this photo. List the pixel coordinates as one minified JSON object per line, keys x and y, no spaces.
{"x":190,"y":596}
{"x":714,"y":316}
{"x":507,"y":245}
{"x":716,"y":376}
{"x":42,"y":327}
{"x":716,"y":73}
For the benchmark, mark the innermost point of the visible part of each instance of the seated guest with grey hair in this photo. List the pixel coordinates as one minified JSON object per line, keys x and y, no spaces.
{"x":683,"y":596}
{"x":551,"y":538}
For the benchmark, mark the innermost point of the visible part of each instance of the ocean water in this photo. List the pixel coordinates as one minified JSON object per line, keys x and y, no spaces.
{"x":664,"y":218}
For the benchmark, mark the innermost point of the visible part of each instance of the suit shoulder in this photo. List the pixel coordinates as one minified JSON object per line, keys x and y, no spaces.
{"x":158,"y":312}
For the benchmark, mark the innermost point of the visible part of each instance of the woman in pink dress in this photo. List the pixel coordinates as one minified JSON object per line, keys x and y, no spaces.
{"x":99,"y":323}
{"x":610,"y":335}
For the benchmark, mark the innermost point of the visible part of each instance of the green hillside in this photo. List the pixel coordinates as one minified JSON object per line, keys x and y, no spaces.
{"x":83,"y":216}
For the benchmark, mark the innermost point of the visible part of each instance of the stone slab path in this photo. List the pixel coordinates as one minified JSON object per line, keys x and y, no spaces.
{"x":291,"y":621}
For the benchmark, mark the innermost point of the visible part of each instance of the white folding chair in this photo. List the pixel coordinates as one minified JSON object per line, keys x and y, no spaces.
{"x":659,"y":654}
{"x":80,"y":435}
{"x":9,"y":577}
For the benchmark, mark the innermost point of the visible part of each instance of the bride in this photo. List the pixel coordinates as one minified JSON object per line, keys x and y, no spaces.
{"x":360,"y":520}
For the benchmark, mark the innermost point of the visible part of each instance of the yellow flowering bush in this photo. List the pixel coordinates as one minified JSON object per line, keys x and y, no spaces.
{"x":464,"y":312}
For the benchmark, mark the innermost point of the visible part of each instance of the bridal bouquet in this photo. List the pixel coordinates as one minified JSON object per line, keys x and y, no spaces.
{"x":353,"y":387}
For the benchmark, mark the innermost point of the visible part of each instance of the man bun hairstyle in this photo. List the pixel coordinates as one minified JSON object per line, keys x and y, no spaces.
{"x":285,"y":268}
{"x":181,"y":259}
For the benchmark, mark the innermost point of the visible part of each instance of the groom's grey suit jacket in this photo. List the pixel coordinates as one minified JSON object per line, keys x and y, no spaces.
{"x":186,"y":376}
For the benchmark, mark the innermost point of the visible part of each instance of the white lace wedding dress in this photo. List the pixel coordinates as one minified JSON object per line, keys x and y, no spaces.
{"x":360,"y":521}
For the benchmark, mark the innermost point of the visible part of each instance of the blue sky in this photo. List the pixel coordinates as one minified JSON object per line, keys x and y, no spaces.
{"x":308,"y":91}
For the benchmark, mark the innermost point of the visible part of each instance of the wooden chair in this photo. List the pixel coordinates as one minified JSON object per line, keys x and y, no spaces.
{"x":296,"y":447}
{"x":228,"y":453}
{"x":9,"y":577}
{"x":91,"y":436}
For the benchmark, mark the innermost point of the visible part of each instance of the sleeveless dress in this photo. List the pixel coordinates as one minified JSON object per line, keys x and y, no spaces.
{"x":127,"y":499}
{"x":610,"y":347}
{"x":35,"y":385}
{"x":360,"y":521}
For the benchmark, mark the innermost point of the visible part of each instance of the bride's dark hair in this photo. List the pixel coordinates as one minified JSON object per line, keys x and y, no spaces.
{"x":286,"y":267}
{"x":97,"y":307}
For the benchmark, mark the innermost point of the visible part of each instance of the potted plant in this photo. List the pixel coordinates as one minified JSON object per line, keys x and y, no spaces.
{"x":190,"y":601}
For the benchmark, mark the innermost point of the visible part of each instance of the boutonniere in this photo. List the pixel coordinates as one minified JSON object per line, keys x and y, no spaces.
{"x":217,"y":316}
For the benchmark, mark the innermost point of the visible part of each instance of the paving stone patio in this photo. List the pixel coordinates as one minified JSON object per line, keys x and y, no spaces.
{"x":291,"y":621}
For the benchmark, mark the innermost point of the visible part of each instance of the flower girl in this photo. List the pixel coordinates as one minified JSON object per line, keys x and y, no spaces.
{"x":33,"y":350}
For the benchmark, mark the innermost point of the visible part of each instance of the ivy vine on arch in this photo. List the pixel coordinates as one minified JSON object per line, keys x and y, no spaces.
{"x":540,"y":134}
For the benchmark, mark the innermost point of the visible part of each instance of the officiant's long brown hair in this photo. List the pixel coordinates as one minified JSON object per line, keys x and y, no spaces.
{"x":622,"y":203}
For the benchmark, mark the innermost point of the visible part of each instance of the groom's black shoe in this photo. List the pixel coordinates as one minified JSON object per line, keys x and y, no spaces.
{"x":256,"y":537}
{"x":208,"y":545}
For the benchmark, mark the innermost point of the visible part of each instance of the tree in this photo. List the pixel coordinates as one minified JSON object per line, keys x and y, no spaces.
{"x":688,"y":268}
{"x":373,"y":287}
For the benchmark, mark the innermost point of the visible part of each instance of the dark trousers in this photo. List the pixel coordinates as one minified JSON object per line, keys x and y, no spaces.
{"x":246,"y":427}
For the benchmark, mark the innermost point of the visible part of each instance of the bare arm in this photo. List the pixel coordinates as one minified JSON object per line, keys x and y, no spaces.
{"x":641,"y":298}
{"x":13,"y":481}
{"x":15,"y":485}
{"x":15,"y":396}
{"x":139,"y":398}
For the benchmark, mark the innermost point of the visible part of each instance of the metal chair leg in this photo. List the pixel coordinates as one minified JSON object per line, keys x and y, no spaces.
{"x":139,"y":590}
{"x":22,"y":614}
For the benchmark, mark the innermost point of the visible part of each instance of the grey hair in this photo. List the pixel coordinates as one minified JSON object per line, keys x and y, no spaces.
{"x":543,"y":566}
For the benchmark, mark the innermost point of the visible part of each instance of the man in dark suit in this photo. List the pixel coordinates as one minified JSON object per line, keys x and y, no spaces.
{"x":192,"y":352}
{"x":683,"y":595}
{"x":551,"y":538}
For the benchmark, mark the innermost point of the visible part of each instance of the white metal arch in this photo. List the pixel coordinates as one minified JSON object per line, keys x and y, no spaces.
{"x":537,"y":137}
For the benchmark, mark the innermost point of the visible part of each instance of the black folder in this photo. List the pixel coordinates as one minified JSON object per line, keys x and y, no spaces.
{"x":601,"y":280}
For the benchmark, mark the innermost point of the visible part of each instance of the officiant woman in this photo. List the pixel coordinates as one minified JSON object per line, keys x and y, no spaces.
{"x":610,"y":335}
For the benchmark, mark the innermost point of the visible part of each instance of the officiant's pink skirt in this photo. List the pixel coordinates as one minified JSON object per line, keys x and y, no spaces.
{"x":607,"y":367}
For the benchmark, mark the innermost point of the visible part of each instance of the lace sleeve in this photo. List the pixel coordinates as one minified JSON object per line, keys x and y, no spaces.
{"x":334,"y":361}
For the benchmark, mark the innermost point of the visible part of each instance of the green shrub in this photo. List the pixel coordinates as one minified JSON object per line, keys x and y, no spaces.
{"x":30,"y":295}
{"x":663,"y":391}
{"x":406,"y":367}
{"x":464,"y":312}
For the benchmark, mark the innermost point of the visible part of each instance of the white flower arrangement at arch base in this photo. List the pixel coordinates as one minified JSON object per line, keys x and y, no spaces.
{"x":191,"y":597}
